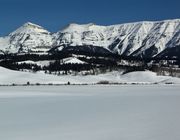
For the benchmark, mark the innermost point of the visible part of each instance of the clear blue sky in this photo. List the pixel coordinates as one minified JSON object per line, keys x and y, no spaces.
{"x":55,"y":14}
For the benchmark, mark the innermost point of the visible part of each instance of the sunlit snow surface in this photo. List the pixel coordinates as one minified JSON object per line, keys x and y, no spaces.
{"x":126,"y":112}
{"x":8,"y":77}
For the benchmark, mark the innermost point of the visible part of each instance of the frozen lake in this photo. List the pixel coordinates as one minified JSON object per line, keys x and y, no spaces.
{"x":127,"y":112}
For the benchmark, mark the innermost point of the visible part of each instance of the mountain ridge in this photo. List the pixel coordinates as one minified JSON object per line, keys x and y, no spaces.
{"x":145,"y":38}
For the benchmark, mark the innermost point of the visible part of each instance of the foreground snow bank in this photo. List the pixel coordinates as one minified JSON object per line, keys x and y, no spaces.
{"x":9,"y":77}
{"x":127,"y":112}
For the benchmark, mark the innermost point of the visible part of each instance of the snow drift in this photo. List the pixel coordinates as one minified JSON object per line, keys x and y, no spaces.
{"x":16,"y":77}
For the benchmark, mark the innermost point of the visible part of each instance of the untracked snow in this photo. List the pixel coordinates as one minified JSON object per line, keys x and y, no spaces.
{"x":149,"y":112}
{"x":72,"y":60}
{"x":8,"y":77}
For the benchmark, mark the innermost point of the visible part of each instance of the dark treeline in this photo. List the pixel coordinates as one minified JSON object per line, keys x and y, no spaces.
{"x":64,"y":54}
{"x":93,"y":62}
{"x":33,"y":57}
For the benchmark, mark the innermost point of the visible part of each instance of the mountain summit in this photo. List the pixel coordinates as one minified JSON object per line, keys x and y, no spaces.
{"x":29,"y":28}
{"x":145,"y":39}
{"x":27,"y":38}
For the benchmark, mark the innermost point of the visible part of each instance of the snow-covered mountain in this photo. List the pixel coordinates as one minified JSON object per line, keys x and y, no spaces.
{"x":29,"y":37}
{"x":136,"y":39}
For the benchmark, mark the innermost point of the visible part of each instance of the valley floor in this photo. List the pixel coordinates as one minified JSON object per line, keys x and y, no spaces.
{"x":10,"y":77}
{"x":129,"y":112}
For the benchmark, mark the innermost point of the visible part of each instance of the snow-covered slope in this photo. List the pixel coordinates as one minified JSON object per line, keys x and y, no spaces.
{"x":18,"y":77}
{"x":137,"y":39}
{"x":29,"y":37}
{"x":72,"y":60}
{"x":141,"y":38}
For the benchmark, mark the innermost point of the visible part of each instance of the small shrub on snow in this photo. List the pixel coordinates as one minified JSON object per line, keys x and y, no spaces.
{"x":103,"y":82}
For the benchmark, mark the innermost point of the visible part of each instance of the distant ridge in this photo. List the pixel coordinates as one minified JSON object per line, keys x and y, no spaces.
{"x":141,"y":39}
